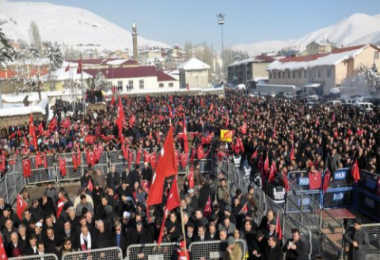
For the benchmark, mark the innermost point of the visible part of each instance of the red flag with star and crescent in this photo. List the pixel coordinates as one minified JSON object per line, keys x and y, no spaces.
{"x":207,"y":211}
{"x":26,"y":168}
{"x":3,"y":255}
{"x":21,"y":206}
{"x":244,"y":209}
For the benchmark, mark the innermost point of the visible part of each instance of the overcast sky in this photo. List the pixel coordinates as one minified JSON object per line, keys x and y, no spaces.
{"x":247,"y":21}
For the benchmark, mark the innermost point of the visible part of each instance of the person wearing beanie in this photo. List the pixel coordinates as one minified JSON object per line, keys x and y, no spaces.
{"x":233,"y":251}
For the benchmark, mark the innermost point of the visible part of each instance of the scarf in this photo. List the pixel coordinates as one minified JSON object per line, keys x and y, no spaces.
{"x":85,"y":246}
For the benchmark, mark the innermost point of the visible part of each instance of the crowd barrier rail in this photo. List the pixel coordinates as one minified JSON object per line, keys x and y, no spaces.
{"x":368,"y":194}
{"x":109,"y":253}
{"x":213,"y":249}
{"x":165,"y":251}
{"x":37,"y":257}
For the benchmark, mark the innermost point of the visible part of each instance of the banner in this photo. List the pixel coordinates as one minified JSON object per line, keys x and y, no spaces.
{"x":226,"y":135}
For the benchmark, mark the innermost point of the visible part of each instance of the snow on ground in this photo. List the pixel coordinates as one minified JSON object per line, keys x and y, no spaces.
{"x":10,"y":110}
{"x":66,"y":24}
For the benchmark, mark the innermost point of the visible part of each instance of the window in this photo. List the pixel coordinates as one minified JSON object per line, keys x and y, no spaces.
{"x":171,"y":85}
{"x":274,"y":75}
{"x":120,"y":84}
{"x":328,"y":73}
{"x":299,"y":74}
{"x":376,"y":55}
{"x":319,"y":73}
{"x":109,"y":84}
{"x":288,"y":74}
{"x":294,"y":74}
{"x":305,"y":74}
{"x":141,"y":83}
{"x":279,"y":75}
{"x":130,"y":84}
{"x":161,"y":85}
{"x":283,"y":74}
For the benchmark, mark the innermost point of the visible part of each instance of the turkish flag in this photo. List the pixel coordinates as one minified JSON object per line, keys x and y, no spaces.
{"x":67,"y":68}
{"x":21,"y":206}
{"x":146,"y":156}
{"x":124,"y":149}
{"x":285,"y":181}
{"x":166,"y":167}
{"x":167,"y":162}
{"x":79,"y":69}
{"x":120,"y":118}
{"x":292,"y":154}
{"x":326,"y":180}
{"x":166,"y":214}
{"x":266,"y":164}
{"x":193,"y":154}
{"x":190,"y":177}
{"x":90,"y":139}
{"x":40,"y":129}
{"x":145,"y":186}
{"x":184,"y":136}
{"x":153,"y":160}
{"x":207,"y":139}
{"x":90,"y":186}
{"x":38,"y":160}
{"x":66,"y":123}
{"x":112,"y":100}
{"x":211,"y":108}
{"x":355,"y":171}
{"x":90,"y":157}
{"x":26,"y":168}
{"x":147,"y":98}
{"x":62,"y":166}
{"x":138,"y":156}
{"x":32,"y":131}
{"x":272,"y":172}
{"x":220,"y":155}
{"x":254,"y":155}
{"x":60,"y":207}
{"x":207,"y":211}
{"x":130,"y":158}
{"x":183,"y":160}
{"x":243,"y":128}
{"x":315,"y":180}
{"x":202,"y":103}
{"x":74,"y":159}
{"x":2,"y":165}
{"x":278,"y":227}
{"x":200,"y":152}
{"x":132,"y":120}
{"x":3,"y":255}
{"x":244,"y":209}
{"x":25,"y":142}
{"x":52,"y":124}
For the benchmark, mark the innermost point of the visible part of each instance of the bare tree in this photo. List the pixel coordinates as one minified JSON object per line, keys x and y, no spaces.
{"x":35,"y":37}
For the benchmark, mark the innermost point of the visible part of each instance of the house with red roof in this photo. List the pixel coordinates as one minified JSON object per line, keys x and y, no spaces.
{"x":319,"y":73}
{"x":137,"y":79}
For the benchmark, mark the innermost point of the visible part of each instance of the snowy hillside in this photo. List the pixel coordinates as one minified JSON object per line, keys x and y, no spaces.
{"x":67,"y":25}
{"x":356,"y":29}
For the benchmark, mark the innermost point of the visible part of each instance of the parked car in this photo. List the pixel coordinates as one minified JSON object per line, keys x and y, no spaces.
{"x":334,"y":103}
{"x":366,"y":105}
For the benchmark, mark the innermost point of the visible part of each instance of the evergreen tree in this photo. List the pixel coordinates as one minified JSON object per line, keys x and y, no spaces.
{"x":101,"y":81}
{"x":6,"y":50}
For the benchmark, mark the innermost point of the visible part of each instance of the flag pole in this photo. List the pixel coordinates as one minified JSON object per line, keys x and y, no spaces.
{"x":83,"y":87}
{"x":182,"y":224}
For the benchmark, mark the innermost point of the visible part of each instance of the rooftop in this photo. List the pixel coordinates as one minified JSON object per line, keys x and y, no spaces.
{"x":194,"y":64}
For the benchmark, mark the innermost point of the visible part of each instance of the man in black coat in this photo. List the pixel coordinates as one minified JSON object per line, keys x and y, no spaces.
{"x":119,"y":240}
{"x":31,"y":249}
{"x":273,"y":251}
{"x":295,"y":248}
{"x":113,"y":178}
{"x":256,"y":247}
{"x":102,"y":237}
{"x":204,"y":193}
{"x":147,"y":173}
{"x":358,"y":241}
{"x":15,"y":247}
{"x":69,"y":233}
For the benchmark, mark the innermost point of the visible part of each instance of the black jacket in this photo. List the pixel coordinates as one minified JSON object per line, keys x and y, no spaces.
{"x":123,"y":243}
{"x":298,"y":254}
{"x":113,"y":179}
{"x":274,"y":253}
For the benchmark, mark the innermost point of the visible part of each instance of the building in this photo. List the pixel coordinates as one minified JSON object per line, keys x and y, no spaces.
{"x":323,"y":46}
{"x":137,"y":79}
{"x":104,"y":63}
{"x":194,"y":74}
{"x":248,"y":70}
{"x":319,"y":73}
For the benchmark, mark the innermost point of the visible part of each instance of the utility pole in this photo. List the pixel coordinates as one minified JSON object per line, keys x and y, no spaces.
{"x":221,"y":23}
{"x":83,"y":87}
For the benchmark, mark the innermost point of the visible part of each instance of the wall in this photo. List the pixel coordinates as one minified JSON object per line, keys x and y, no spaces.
{"x":196,"y":78}
{"x":166,"y":84}
{"x":150,"y":83}
{"x":259,"y":69}
{"x":366,"y":57}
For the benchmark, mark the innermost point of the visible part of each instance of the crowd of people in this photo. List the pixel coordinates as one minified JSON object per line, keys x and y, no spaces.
{"x":287,"y":133}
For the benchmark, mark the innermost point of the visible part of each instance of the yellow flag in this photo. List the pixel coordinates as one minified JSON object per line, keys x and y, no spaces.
{"x":226,"y":135}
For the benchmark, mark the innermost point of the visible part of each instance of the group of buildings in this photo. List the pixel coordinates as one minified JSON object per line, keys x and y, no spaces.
{"x":322,"y":68}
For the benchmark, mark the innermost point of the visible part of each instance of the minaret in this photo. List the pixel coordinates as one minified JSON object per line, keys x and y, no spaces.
{"x":134,"y":36}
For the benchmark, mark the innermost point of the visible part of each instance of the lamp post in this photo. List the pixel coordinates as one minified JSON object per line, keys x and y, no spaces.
{"x":221,"y":23}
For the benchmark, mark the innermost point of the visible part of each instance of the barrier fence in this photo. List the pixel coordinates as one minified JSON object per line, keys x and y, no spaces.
{"x":113,"y":253}
{"x":37,"y":257}
{"x":166,"y":251}
{"x":213,"y":249}
{"x":368,"y":194}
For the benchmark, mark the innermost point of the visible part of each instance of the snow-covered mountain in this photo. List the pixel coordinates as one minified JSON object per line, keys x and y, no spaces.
{"x":63,"y":24}
{"x":356,"y":29}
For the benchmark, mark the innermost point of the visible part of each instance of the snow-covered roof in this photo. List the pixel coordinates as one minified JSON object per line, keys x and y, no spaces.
{"x":33,"y":96}
{"x":116,"y":62}
{"x":314,"y":61}
{"x":43,"y":61}
{"x":259,"y":58}
{"x":61,"y":73}
{"x":194,"y":64}
{"x":15,"y":111}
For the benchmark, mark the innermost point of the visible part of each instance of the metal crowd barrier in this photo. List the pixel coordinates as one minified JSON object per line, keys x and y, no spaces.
{"x":165,"y":251}
{"x":40,"y":174}
{"x":260,"y":198}
{"x":111,"y":253}
{"x":37,"y":257}
{"x":13,"y":182}
{"x":332,"y":231}
{"x":368,"y":194}
{"x":213,"y":249}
